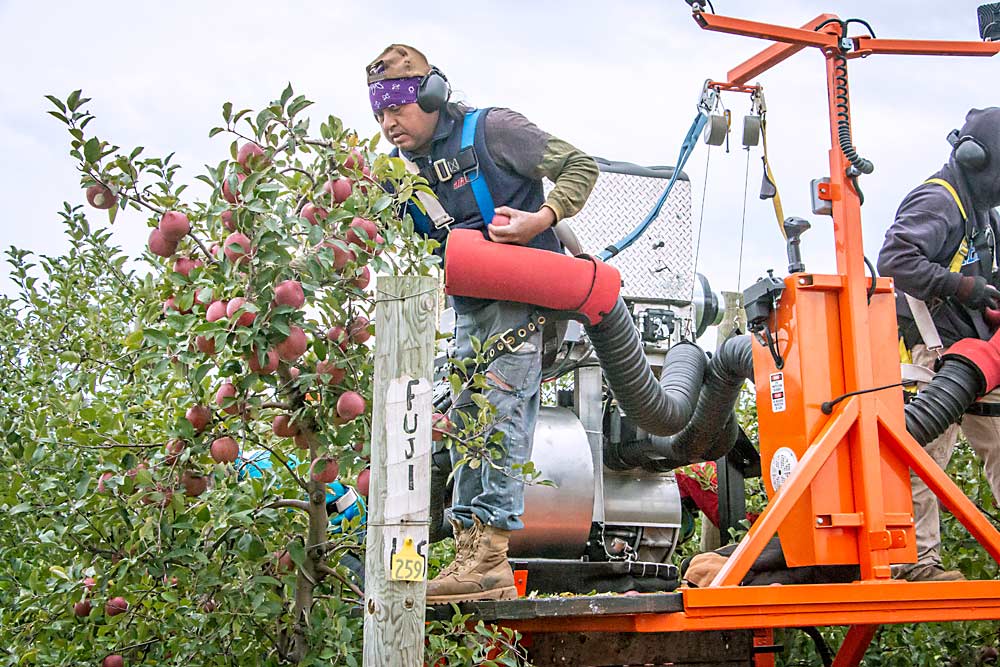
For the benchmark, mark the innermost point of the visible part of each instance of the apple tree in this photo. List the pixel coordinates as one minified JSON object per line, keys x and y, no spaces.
{"x":138,"y":394}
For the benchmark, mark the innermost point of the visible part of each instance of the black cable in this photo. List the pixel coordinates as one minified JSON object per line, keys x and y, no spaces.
{"x":864,"y":23}
{"x":710,"y":5}
{"x":822,"y":648}
{"x":843,"y":104}
{"x":772,"y":347}
{"x":827,"y":407}
{"x":871,"y":288}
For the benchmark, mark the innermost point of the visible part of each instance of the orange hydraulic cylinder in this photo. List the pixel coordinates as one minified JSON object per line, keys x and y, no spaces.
{"x":824,"y":527}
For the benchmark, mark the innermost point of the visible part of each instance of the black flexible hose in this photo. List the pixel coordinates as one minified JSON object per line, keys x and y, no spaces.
{"x":660,"y":408}
{"x":712,"y":430}
{"x":944,"y":400}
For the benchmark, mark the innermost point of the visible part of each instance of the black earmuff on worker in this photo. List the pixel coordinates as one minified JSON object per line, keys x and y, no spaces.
{"x":969,"y":151}
{"x":434,"y":91}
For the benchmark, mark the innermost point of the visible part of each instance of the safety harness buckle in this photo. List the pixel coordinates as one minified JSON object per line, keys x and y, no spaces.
{"x":444,"y":169}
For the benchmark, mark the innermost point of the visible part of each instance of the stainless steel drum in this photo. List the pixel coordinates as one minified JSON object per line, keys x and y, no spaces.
{"x":557,"y":519}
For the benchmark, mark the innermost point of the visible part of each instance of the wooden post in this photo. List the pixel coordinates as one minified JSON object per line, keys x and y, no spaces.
{"x":399,"y":493}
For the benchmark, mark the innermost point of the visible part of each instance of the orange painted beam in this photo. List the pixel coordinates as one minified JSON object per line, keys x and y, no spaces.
{"x":914,"y":47}
{"x":776,"y":33}
{"x":771,"y":56}
{"x":851,"y":652}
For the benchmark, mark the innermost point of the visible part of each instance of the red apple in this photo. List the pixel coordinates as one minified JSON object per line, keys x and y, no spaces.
{"x":294,"y":372}
{"x":237,"y":247}
{"x":227,"y":390}
{"x":324,"y":469}
{"x":193,"y":483}
{"x":227,"y":192}
{"x":115,"y":606}
{"x":89,"y":583}
{"x":214,"y":250}
{"x":216,"y":311}
{"x":271,"y":362}
{"x":440,"y":426}
{"x":246,"y":318}
{"x":198,"y":415}
{"x":205,"y":345}
{"x":227,"y":220}
{"x":160,"y":246}
{"x":285,"y":562}
{"x":303,"y":440}
{"x":361,"y":224}
{"x":339,"y":336}
{"x":283,"y":428}
{"x":210,"y":605}
{"x":294,"y":346}
{"x":364,"y":481}
{"x":174,"y":450}
{"x":171,"y":304}
{"x":185,"y":265}
{"x":358,"y":329}
{"x":355,"y":160}
{"x":340,"y":189}
{"x":174,"y":226}
{"x":314,"y":214}
{"x":250,"y":154}
{"x":341,"y":256}
{"x":500,"y":220}
{"x":105,"y":476}
{"x":350,"y":405}
{"x":329,"y":372}
{"x":224,"y":450}
{"x":289,"y":293}
{"x":100,"y":196}
{"x":363,"y":278}
{"x":82,"y":608}
{"x":113,"y":660}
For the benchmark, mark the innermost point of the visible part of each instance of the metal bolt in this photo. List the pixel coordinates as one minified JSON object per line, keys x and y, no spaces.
{"x":819,"y":521}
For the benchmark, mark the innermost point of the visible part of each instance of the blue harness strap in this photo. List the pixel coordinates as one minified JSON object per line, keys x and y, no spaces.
{"x":484,"y":200}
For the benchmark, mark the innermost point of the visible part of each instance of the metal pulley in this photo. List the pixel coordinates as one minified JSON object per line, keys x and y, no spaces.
{"x":717,"y":129}
{"x":751,"y":131}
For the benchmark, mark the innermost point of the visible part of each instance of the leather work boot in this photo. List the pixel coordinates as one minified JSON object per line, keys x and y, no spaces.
{"x":465,"y":543}
{"x":484,"y":574}
{"x":931,"y":573}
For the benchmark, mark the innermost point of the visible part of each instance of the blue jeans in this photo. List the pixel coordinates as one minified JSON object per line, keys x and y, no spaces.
{"x":514,"y":389}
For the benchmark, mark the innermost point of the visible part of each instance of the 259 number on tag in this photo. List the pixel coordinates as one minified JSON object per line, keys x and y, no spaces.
{"x":407,"y":564}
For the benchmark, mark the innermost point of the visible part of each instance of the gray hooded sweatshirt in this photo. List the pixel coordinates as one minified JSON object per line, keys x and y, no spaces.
{"x":929,"y":228}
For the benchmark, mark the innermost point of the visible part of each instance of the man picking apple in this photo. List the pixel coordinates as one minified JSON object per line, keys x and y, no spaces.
{"x":486,"y":168}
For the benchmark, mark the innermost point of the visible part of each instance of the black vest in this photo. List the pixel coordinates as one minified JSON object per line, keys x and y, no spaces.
{"x":506,"y":187}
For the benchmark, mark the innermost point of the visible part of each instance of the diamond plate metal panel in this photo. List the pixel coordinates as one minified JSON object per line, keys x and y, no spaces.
{"x":659,"y":266}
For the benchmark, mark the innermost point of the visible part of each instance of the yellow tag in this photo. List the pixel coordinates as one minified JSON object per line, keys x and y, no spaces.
{"x":407,"y":564}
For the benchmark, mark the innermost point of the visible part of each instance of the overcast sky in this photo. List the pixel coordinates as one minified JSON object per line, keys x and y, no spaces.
{"x":617,"y":79}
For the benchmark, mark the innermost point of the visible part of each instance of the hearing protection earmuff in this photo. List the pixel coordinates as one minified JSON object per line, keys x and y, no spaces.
{"x":434,"y":91}
{"x":968,"y":151}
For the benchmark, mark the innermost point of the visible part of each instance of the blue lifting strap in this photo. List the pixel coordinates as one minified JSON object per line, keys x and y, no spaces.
{"x":484,"y":200}
{"x":687,"y":147}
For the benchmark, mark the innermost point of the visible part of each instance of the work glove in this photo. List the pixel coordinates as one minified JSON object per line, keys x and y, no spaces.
{"x":976,"y":293}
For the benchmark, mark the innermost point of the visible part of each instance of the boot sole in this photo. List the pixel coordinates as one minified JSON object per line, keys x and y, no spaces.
{"x":506,"y":593}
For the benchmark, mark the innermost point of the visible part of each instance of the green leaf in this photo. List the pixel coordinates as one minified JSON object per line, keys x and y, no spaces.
{"x":297,"y":552}
{"x":286,"y":95}
{"x":57,"y":102}
{"x":92,"y":150}
{"x":59,"y":572}
{"x":227,"y":111}
{"x":73,"y":101}
{"x":214,"y":131}
{"x":134,"y":340}
{"x":69,"y":356}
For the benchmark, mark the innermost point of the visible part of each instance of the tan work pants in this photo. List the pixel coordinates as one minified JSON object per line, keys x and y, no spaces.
{"x":983,"y":434}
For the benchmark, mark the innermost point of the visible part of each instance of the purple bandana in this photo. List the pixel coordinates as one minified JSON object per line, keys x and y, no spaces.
{"x":393,"y":92}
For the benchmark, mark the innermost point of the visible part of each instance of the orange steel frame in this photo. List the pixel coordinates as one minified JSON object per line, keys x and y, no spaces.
{"x":863,"y":424}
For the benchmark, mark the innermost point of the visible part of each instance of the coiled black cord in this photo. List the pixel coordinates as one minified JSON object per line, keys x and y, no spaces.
{"x":844,"y":118}
{"x":860,"y":164}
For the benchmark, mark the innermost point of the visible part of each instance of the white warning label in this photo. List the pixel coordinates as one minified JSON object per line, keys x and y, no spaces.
{"x":783,"y":462}
{"x":777,"y":392}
